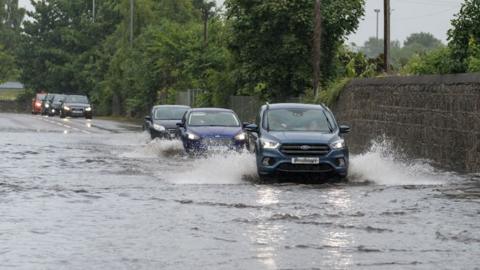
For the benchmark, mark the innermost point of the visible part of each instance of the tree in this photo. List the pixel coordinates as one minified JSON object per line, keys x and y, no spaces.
{"x":272,"y":42}
{"x":59,"y":42}
{"x":206,"y":9}
{"x":8,"y":68}
{"x":415,"y":44}
{"x":465,"y":26}
{"x":373,"y":47}
{"x":426,"y":40}
{"x":11,"y":18}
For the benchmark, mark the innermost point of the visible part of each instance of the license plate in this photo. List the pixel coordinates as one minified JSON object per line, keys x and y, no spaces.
{"x":172,"y":135}
{"x":218,"y":148}
{"x":305,"y":160}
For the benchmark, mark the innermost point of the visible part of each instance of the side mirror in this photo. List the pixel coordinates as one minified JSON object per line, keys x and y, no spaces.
{"x":148,"y":118}
{"x":344,"y":129}
{"x":251,"y":128}
{"x":180,"y":125}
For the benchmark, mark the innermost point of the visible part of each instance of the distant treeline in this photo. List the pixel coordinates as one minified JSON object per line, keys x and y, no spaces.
{"x":248,"y":47}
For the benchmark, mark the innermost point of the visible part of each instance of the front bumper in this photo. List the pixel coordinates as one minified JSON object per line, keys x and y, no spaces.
{"x":336,"y":162}
{"x":82,"y":113}
{"x":168,"y":134}
{"x":213,"y":145}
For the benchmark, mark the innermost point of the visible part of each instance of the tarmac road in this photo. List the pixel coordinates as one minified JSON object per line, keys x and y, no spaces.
{"x":81,"y":194}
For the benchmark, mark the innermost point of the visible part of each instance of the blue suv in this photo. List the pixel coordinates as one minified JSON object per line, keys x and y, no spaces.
{"x":298,"y":139}
{"x":211,"y":129}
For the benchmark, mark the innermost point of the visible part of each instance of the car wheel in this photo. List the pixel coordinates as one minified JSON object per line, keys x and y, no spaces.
{"x":62,"y":115}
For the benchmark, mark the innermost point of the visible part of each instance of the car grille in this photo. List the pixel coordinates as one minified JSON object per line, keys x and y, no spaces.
{"x":77,"y":109}
{"x":322,"y":167}
{"x":305,"y":149}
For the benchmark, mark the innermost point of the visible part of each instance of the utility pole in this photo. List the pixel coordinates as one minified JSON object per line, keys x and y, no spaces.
{"x":317,"y":47}
{"x":386,"y":49}
{"x":93,"y":10}
{"x":132,"y":5}
{"x":378,"y":13}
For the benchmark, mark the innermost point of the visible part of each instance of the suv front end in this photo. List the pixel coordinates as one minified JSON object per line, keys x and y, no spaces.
{"x":298,"y":140}
{"x":327,"y":160}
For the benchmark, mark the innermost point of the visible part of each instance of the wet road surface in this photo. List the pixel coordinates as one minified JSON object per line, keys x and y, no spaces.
{"x":78,"y":194}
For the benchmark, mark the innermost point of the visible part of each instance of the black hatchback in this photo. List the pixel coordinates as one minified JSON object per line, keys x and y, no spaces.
{"x":76,"y":106}
{"x":163,"y":119}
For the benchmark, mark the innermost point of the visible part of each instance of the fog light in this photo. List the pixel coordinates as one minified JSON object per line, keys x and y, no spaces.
{"x":268,"y":161}
{"x":341,"y":162}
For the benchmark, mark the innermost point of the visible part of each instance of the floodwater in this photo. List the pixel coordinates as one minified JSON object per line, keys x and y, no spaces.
{"x":78,"y":194}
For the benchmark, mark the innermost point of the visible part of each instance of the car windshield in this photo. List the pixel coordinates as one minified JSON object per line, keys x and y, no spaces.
{"x":58,"y":98}
{"x":313,"y":120}
{"x":169,"y":113}
{"x":77,"y":99}
{"x":213,"y":118}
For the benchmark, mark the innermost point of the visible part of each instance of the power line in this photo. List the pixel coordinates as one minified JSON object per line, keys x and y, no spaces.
{"x":426,"y":15}
{"x":436,"y":3}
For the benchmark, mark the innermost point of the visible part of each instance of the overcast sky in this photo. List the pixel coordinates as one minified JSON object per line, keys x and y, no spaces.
{"x":408,"y":16}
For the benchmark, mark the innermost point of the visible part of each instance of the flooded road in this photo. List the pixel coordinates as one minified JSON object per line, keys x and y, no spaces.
{"x":77,"y":194}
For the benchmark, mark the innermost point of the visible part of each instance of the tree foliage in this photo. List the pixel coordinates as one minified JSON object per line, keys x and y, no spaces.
{"x":259,"y":47}
{"x":11,"y":18}
{"x":462,"y":53}
{"x":272,"y":42}
{"x":465,"y":27}
{"x":425,"y":40}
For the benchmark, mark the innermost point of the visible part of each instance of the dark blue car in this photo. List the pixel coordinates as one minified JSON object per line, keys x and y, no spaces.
{"x":211,"y":129}
{"x":298,"y":139}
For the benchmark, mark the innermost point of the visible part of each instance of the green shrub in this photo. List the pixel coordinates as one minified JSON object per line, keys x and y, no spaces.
{"x":330,"y":94}
{"x":438,"y":61}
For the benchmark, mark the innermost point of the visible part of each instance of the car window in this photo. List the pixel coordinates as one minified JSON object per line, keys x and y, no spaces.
{"x":226,"y":119}
{"x":58,"y":98}
{"x":169,"y":113}
{"x":77,"y":99}
{"x":314,"y":120}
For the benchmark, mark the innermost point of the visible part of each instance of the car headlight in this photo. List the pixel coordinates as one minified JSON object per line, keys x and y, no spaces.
{"x":158,"y":127}
{"x":240,"y":137}
{"x":269,"y":144}
{"x":66,"y":108}
{"x":192,"y":136}
{"x":47,"y":106}
{"x":340,"y":144}
{"x":88,"y":109}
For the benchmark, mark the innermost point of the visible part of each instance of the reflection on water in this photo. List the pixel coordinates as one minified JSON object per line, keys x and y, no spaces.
{"x":267,"y":196}
{"x":339,"y":238}
{"x":267,"y":235}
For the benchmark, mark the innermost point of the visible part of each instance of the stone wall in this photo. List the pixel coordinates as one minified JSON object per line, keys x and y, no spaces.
{"x":429,"y":117}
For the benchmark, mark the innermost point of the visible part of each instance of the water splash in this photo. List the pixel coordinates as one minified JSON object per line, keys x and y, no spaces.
{"x":383,"y":165}
{"x":221,"y":168}
{"x":148,"y":148}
